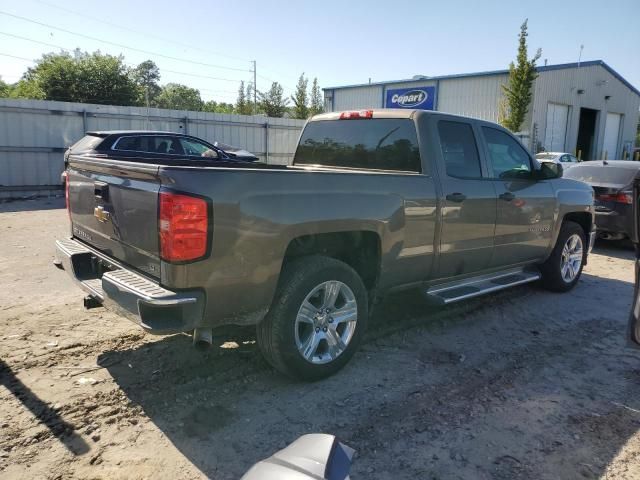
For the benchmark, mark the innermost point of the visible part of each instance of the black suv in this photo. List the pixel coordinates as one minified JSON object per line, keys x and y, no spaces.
{"x":161,"y":147}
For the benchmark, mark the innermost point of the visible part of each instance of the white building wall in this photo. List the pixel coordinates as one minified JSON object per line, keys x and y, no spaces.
{"x":476,"y":97}
{"x":561,"y":87}
{"x":357,"y":98}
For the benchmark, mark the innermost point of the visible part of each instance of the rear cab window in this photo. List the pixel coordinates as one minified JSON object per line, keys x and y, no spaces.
{"x":88,"y":142}
{"x":389,"y":144}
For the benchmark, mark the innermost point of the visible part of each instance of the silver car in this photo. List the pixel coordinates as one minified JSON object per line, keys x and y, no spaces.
{"x":566,"y":159}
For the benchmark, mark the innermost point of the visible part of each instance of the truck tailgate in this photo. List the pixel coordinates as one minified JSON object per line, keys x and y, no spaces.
{"x":113,"y":207}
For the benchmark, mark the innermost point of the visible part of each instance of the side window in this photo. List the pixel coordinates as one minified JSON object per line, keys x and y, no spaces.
{"x":166,"y":145}
{"x":131,"y":144}
{"x":459,"y":149}
{"x":507,"y":157}
{"x":197,"y":149}
{"x":573,"y":159}
{"x":564,"y":159}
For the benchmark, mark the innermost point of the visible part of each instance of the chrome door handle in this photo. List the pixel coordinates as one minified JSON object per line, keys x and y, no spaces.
{"x":456,"y":197}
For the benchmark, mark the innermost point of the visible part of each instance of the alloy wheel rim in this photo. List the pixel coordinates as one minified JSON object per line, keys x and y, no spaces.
{"x":571,"y":258}
{"x":326,"y":322}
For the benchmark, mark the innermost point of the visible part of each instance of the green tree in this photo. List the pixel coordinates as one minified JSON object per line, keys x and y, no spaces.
{"x":518,"y":90}
{"x":243,"y":105}
{"x":272,"y":102}
{"x":146,"y":75}
{"x":179,"y":97}
{"x":4,"y":88}
{"x":26,"y":89}
{"x":317,"y":105}
{"x":81,"y":77}
{"x":218,"y":107}
{"x":300,"y":99}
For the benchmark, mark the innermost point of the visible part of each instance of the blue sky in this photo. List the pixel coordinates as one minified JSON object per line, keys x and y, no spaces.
{"x":340,"y":42}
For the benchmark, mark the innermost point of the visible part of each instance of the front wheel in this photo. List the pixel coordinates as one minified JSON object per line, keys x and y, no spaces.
{"x":563,"y":268}
{"x":317,"y":319}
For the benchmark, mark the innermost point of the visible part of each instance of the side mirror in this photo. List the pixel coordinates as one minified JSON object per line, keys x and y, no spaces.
{"x":549,"y":170}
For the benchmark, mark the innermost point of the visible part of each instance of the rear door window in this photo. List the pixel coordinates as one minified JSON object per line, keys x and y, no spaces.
{"x":149,"y":144}
{"x":375,"y":144}
{"x":129,"y":144}
{"x":459,"y":149}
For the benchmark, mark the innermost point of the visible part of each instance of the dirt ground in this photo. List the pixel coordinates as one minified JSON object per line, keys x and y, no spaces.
{"x":521,"y":384}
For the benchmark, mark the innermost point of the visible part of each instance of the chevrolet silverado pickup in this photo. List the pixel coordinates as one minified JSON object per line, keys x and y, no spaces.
{"x":374,"y":201}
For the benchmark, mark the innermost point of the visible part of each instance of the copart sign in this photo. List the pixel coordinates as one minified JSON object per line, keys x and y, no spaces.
{"x":417,"y":97}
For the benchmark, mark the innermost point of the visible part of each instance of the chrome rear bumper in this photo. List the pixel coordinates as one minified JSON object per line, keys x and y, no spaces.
{"x":156,"y":309}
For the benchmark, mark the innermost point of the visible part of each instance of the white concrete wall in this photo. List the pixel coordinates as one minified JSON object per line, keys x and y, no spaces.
{"x":34,"y":135}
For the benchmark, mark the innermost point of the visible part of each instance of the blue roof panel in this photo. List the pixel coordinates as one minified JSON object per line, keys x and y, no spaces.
{"x":544,"y":68}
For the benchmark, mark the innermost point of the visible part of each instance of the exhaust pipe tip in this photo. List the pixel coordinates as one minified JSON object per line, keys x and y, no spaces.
{"x":90,"y":302}
{"x":202,"y":338}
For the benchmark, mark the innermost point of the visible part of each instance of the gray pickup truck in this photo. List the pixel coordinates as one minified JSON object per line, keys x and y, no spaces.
{"x":375,"y":201}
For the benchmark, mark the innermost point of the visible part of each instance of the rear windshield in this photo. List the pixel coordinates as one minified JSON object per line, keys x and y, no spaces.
{"x":375,"y":144}
{"x":599,"y":174}
{"x":88,"y":142}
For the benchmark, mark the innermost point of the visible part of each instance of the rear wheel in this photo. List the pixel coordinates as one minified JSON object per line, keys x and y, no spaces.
{"x":563,"y":268}
{"x":317,"y":319}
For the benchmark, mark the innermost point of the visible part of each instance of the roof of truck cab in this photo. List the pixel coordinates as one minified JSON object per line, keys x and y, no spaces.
{"x":132,"y":132}
{"x":393,"y":113}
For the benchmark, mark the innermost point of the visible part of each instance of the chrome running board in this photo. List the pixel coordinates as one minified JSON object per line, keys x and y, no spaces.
{"x":474,"y":286}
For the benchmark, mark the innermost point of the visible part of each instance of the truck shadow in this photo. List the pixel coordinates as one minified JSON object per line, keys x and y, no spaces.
{"x":622,"y":249}
{"x":226,"y":409}
{"x":45,"y":415}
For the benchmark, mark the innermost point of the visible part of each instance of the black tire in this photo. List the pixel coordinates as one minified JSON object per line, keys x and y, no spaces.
{"x":276,"y":334}
{"x":552,"y":278}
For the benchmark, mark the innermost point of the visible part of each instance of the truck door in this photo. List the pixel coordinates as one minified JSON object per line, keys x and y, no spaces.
{"x":468,"y":212}
{"x":526,"y":206}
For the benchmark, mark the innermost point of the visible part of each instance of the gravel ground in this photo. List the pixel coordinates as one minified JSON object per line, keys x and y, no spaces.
{"x":520,"y":384}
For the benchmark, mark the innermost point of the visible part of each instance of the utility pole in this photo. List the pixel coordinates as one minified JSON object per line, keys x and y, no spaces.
{"x":255,"y":97}
{"x":146,"y":99}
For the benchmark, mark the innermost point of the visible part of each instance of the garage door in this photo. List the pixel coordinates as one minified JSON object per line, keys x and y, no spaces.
{"x":611,"y":135}
{"x":556,"y":131}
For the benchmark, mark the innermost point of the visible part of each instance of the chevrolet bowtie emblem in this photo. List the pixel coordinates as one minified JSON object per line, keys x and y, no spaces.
{"x":101,"y":214}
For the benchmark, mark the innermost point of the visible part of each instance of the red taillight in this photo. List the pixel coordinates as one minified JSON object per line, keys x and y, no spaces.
{"x":358,"y":114}
{"x":66,"y":192}
{"x":620,"y":197}
{"x":183,"y":225}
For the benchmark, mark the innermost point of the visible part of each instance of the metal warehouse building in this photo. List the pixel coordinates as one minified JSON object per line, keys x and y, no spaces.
{"x":586,"y":108}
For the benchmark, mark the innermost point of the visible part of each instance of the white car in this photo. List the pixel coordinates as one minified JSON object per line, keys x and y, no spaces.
{"x":566,"y":159}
